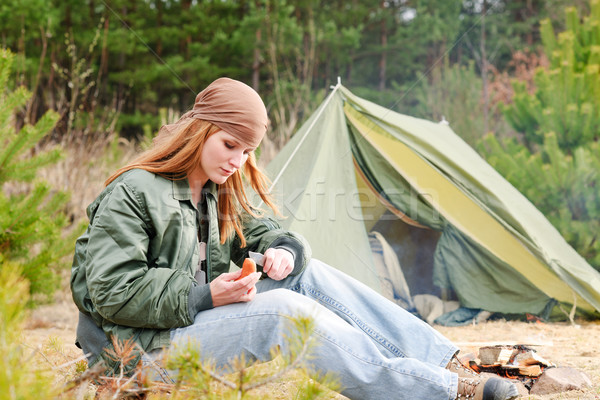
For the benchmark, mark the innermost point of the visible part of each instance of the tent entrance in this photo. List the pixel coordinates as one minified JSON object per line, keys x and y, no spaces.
{"x":413,"y":243}
{"x":414,"y":247}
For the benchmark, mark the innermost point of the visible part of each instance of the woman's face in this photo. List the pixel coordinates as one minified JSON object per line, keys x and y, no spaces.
{"x":222,"y":155}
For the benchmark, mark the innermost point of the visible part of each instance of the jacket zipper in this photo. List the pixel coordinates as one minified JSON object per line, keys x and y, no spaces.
{"x":208,"y":240}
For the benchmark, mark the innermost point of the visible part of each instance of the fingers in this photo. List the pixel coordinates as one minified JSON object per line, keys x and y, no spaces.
{"x":224,"y":290}
{"x":248,"y":296}
{"x":246,"y":283}
{"x":230,"y":276}
{"x":278,"y":263}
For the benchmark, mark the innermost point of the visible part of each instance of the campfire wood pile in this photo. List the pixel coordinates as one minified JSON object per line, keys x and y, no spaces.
{"x":515,"y":361}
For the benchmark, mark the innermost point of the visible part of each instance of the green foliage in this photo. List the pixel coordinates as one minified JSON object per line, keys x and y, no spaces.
{"x":137,"y":120}
{"x":401,"y":40}
{"x":556,"y":164}
{"x":95,"y":61}
{"x":31,"y":215}
{"x":508,"y":27}
{"x":138,"y":56}
{"x":20,"y":378}
{"x":454,"y":93}
{"x":563,"y":186}
{"x":567,"y":95}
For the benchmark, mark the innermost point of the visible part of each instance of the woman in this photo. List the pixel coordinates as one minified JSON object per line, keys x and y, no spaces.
{"x":153,"y":267}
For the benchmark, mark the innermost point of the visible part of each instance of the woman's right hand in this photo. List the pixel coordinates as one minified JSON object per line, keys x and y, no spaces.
{"x":225,"y":290}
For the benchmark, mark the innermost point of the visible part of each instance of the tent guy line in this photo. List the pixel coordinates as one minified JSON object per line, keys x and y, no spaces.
{"x":359,"y":258}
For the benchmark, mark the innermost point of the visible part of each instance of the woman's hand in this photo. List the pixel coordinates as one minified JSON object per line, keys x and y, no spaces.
{"x":224,"y":290}
{"x":278,"y":263}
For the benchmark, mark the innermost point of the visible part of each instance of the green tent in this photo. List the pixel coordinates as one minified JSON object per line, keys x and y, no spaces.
{"x":354,"y":162}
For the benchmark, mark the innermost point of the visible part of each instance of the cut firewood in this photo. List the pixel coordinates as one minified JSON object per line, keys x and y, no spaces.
{"x":530,"y":370}
{"x":518,"y":362}
{"x":495,"y":355}
{"x":530,"y":358}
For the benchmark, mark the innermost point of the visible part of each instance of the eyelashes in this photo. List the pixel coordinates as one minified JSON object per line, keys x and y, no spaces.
{"x":232,"y":146}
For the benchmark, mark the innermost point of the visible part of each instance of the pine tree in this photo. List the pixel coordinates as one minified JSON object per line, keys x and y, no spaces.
{"x":31,"y":213}
{"x":567,"y":97}
{"x":556,"y":162}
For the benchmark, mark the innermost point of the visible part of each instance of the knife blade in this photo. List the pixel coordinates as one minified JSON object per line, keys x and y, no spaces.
{"x":257,"y":257}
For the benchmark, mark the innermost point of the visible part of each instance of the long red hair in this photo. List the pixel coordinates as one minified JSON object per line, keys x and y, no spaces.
{"x":174,"y":154}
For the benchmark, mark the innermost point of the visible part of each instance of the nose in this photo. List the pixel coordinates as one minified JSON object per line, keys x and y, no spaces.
{"x":237,"y":160}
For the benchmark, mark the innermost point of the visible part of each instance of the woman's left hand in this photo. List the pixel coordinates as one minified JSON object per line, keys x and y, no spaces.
{"x":278,"y":263}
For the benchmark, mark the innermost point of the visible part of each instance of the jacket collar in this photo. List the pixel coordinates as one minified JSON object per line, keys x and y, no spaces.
{"x":182,"y":191}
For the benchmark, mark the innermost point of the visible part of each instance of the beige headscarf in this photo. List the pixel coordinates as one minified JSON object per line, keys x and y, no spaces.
{"x":233,"y":106}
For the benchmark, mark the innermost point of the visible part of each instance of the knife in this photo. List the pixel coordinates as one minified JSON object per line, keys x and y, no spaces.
{"x":257,"y":257}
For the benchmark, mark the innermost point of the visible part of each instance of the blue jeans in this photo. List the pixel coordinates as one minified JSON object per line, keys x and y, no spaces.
{"x":375,"y":348}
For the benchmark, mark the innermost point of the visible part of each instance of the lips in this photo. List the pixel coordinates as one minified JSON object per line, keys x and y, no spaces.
{"x":227,"y":172}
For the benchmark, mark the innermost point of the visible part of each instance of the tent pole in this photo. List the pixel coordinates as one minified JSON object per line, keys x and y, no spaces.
{"x":324,"y":105}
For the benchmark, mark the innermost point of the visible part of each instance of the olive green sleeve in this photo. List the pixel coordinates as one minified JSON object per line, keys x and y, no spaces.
{"x":264,"y":233}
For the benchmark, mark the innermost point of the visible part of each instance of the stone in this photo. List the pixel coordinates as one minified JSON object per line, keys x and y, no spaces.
{"x":523,"y":392}
{"x":562,"y":379}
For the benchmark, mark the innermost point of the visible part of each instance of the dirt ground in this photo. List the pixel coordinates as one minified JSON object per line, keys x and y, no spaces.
{"x":51,"y":329}
{"x":560,"y":343}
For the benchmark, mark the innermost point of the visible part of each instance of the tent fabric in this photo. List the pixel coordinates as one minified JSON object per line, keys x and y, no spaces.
{"x":318,"y":194}
{"x":497,"y":252}
{"x":461,"y":263}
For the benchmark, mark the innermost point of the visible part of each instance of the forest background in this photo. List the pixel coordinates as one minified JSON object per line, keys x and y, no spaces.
{"x":84,"y":85}
{"x":518,"y":80}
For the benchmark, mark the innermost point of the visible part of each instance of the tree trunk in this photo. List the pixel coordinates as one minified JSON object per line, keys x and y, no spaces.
{"x":256,"y":61}
{"x":121,"y":57}
{"x":92,"y":10}
{"x":30,"y":115}
{"x":185,"y":44}
{"x":530,"y":11}
{"x":484,"y":71}
{"x":50,"y":85}
{"x":104,"y":56}
{"x":383,"y":57}
{"x":159,"y":20}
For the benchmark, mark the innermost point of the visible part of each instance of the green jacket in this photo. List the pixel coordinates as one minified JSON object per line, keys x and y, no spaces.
{"x":134,"y":266}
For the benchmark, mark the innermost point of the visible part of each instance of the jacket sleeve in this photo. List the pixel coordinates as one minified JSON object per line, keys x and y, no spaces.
{"x":264,"y":233}
{"x":122,"y":286}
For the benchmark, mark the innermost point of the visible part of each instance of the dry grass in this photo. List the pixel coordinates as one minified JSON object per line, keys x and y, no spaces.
{"x":84,"y":168}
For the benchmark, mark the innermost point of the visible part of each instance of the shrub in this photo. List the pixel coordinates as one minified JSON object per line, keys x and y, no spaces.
{"x":32,"y":215}
{"x":19,"y":376}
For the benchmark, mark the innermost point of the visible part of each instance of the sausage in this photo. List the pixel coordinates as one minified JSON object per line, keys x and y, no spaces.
{"x":248,"y":267}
